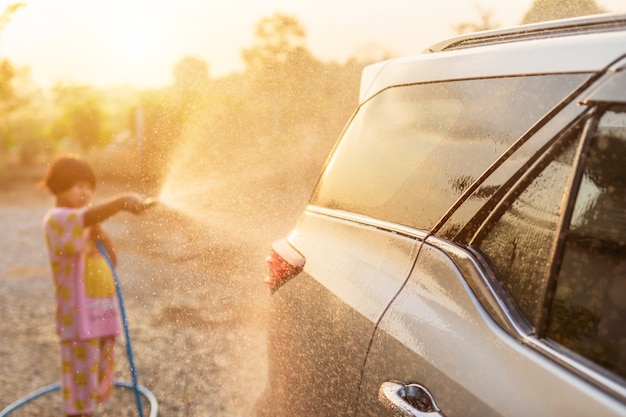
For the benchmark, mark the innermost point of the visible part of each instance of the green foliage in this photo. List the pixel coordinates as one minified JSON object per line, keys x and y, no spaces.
{"x":288,"y":88}
{"x":22,"y":120}
{"x":8,"y":11}
{"x":29,"y":133}
{"x":277,"y":39}
{"x":81,"y":118}
{"x":7,"y":73}
{"x":282,"y":115}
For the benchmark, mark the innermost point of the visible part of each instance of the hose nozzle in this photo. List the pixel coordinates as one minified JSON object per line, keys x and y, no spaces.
{"x":149,"y":202}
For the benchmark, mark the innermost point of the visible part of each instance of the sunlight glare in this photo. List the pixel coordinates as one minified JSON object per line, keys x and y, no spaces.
{"x":135,"y":38}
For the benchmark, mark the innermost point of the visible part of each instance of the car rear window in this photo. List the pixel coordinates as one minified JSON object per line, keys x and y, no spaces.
{"x":410,"y":151}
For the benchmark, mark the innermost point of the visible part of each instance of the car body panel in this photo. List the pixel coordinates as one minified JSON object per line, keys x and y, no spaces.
{"x":612,"y":90}
{"x":344,"y":257}
{"x":573,"y":54}
{"x":327,"y":314}
{"x":436,"y":329}
{"x":604,"y":22}
{"x":380,"y":300}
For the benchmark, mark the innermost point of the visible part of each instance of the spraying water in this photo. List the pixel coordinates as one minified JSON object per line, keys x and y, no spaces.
{"x":193,"y":183}
{"x":188,"y":198}
{"x":227,"y":189}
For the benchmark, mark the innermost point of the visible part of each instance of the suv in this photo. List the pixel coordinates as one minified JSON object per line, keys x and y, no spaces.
{"x":464,"y":251}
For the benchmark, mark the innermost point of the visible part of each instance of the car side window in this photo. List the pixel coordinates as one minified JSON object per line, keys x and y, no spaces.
{"x":517,"y":238}
{"x":411,"y":151}
{"x":588,"y":312}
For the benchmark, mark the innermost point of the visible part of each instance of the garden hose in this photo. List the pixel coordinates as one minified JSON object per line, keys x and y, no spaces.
{"x":138,"y":390}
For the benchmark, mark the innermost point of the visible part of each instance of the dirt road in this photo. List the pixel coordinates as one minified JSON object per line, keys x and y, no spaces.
{"x":195,"y":300}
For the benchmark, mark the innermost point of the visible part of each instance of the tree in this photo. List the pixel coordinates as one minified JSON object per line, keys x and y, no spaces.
{"x":191,"y":73}
{"x":5,"y":17}
{"x":277,"y":38}
{"x":280,"y":70}
{"x":82,"y":118}
{"x":191,"y":81}
{"x":543,"y":10}
{"x":28,"y":115}
{"x":7,"y":73}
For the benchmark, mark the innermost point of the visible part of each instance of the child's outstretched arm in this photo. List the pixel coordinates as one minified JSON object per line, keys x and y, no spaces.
{"x":129,"y":202}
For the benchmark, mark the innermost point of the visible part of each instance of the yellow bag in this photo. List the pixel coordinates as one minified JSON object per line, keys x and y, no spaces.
{"x":99,"y":281}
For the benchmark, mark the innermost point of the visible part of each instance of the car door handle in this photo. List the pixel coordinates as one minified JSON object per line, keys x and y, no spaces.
{"x":412,"y":400}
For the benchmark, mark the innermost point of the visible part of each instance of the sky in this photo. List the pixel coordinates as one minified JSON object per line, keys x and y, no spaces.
{"x":109,"y":43}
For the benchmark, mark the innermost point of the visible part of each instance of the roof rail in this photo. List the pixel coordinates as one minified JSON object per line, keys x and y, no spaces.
{"x":565,"y":27}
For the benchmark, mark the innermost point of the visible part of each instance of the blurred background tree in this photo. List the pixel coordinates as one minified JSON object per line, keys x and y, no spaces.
{"x":279,"y":68}
{"x":280,"y":116}
{"x":80,"y":121}
{"x":7,"y":13}
{"x":543,"y":10}
{"x":8,"y":102}
{"x":191,"y":82}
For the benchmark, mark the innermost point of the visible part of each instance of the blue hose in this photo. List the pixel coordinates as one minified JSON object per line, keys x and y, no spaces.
{"x":154,"y":406}
{"x":139,"y":390}
{"x":129,"y":349}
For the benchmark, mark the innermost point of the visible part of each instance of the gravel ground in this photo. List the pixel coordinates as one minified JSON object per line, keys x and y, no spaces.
{"x":194,"y":296}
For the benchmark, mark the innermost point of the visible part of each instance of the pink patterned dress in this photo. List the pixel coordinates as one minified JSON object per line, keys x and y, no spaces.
{"x":87,"y":319}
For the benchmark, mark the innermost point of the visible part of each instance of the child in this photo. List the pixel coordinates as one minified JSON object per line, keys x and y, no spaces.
{"x":86,"y":315}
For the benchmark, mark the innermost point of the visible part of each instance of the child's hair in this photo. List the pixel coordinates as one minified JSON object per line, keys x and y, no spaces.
{"x":65,"y":171}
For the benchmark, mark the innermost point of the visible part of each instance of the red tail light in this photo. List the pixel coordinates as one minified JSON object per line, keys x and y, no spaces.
{"x":284,"y":263}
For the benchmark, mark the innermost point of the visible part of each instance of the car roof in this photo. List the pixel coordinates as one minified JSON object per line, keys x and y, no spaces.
{"x":587,"y":44}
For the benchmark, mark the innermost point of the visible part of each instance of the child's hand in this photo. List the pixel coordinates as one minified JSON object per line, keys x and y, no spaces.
{"x":134,"y":203}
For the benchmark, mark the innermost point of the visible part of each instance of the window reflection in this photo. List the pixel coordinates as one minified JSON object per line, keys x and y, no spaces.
{"x":518,"y":243}
{"x":589,"y":309}
{"x":411,"y":151}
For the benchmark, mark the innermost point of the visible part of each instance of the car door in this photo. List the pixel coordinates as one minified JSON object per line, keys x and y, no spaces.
{"x":322,"y":320}
{"x":523,"y":313}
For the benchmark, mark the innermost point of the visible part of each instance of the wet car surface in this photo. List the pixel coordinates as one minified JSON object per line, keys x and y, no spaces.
{"x":464,"y":252}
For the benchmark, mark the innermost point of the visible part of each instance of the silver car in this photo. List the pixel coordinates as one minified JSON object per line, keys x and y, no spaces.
{"x":464,"y":252}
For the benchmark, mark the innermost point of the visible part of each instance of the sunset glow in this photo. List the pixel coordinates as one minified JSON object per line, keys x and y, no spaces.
{"x":137,"y":42}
